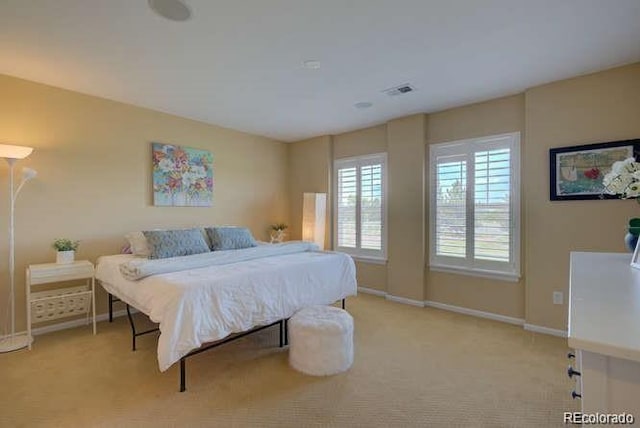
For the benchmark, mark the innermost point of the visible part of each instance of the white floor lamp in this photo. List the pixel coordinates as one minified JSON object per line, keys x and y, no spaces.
{"x":14,"y":341}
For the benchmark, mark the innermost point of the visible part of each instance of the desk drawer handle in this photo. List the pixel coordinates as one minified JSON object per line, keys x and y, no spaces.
{"x":575,"y":395}
{"x":571,"y":372}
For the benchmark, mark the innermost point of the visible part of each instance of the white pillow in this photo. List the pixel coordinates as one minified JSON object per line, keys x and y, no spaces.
{"x":138,"y":243}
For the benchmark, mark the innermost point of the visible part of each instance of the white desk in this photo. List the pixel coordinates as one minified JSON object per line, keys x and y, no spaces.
{"x":604,"y":328}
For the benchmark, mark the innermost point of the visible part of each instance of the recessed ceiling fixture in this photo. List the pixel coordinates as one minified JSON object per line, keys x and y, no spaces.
{"x":311,"y":64}
{"x":363,"y":105}
{"x":174,"y":10}
{"x":399,"y":90}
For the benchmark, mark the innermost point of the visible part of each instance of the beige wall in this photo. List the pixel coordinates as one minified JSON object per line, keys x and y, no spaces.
{"x":589,"y":109}
{"x":595,"y":108}
{"x":497,"y":116}
{"x":372,"y":276}
{"x":309,"y":166}
{"x":93,"y":158}
{"x":362,"y":142}
{"x":310,"y":170}
{"x":403,"y":141}
{"x":405,"y":196}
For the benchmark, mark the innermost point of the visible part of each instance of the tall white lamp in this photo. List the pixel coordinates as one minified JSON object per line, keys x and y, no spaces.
{"x":314,"y":212}
{"x":14,"y":341}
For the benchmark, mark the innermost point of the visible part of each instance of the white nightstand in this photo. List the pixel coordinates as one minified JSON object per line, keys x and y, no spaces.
{"x":60,"y":302}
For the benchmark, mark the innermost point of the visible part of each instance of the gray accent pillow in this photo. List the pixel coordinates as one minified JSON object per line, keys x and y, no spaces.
{"x":230,"y":238}
{"x":174,"y":243}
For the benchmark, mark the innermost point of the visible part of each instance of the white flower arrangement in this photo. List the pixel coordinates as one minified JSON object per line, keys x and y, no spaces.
{"x":623,"y":179}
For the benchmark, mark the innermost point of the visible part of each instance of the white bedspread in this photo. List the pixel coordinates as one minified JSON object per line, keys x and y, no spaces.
{"x":205,"y":304}
{"x":139,"y":268}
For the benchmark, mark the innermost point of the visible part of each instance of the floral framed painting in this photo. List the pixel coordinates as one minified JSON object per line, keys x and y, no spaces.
{"x":182,"y":176}
{"x":576,"y":172}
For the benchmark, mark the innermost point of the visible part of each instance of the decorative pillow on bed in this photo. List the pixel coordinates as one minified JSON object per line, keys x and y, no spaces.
{"x":230,"y":238}
{"x":174,"y":243}
{"x":138,"y":244}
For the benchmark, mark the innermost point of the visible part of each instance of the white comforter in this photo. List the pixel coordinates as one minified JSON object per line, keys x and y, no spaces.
{"x":205,"y":304}
{"x":139,"y":268}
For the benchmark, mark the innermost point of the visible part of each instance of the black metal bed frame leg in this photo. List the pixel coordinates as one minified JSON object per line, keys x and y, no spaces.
{"x":343,"y":303}
{"x":281,"y":333}
{"x":286,"y":331}
{"x":134,"y":333}
{"x":183,"y":360}
{"x":183,"y":370}
{"x":133,"y":329}
{"x":110,"y":307}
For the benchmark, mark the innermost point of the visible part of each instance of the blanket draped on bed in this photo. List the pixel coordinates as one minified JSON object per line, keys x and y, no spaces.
{"x":140,"y":268}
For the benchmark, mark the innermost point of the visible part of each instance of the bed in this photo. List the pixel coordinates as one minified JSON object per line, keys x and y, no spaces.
{"x":201,"y":299}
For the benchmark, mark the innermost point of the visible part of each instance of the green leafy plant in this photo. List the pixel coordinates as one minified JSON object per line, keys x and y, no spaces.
{"x":63,"y":244}
{"x":279,"y":226}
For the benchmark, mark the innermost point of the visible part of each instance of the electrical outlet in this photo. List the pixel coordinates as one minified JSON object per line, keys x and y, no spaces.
{"x":558,"y":297}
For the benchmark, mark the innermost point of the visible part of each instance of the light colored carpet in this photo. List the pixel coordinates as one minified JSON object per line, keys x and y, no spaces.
{"x":413,"y":367}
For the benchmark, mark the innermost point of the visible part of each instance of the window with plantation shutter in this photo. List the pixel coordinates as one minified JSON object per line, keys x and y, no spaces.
{"x":346,"y":201}
{"x":359,"y":208}
{"x":474,"y":210}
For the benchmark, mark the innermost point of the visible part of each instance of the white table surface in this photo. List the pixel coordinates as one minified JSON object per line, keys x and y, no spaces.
{"x":604,"y":307}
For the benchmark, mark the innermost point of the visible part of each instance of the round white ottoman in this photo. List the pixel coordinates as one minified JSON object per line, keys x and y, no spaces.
{"x":321,"y":340}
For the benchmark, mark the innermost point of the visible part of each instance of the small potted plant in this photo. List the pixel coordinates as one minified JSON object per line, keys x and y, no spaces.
{"x":66,"y":250}
{"x":277,"y":232}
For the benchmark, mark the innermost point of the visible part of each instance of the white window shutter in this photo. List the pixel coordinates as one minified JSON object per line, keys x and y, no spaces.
{"x":359,"y":208}
{"x":492,"y":213}
{"x":346,"y":203}
{"x":451,"y":206}
{"x":474,"y":215}
{"x":371,"y":207}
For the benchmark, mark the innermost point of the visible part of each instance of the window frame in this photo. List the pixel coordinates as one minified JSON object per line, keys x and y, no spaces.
{"x":507,"y":271}
{"x":373,"y":256}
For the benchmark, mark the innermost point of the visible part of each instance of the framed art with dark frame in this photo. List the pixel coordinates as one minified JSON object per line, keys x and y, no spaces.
{"x":576,"y":172}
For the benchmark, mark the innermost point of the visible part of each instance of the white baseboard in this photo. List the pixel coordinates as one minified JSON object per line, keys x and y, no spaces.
{"x":474,"y":312}
{"x":372,"y":291}
{"x":391,"y":298}
{"x":73,"y":323}
{"x":545,"y":330}
{"x":404,"y":300}
{"x":444,"y":306}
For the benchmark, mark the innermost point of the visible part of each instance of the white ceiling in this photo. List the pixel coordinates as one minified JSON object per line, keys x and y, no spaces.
{"x":238,"y":63}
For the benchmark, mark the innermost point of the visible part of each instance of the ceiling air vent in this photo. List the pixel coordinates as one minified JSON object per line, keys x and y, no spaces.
{"x":399,"y":90}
